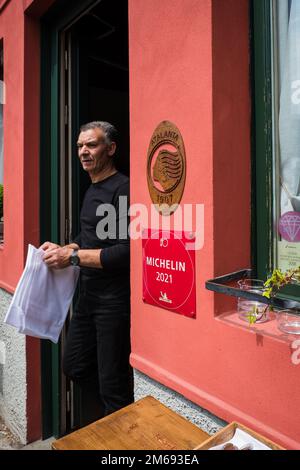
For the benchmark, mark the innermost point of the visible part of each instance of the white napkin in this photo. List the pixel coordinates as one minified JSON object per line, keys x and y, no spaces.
{"x":242,"y":439}
{"x":42,"y":298}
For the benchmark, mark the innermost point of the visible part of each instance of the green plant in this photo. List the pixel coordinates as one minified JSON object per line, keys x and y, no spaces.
{"x":279,"y":279}
{"x":1,"y":201}
{"x":276,"y":281}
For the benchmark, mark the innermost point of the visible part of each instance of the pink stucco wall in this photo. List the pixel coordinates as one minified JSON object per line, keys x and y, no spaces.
{"x":11,"y":254}
{"x":21,"y":134}
{"x":189,"y":63}
{"x":21,"y":166}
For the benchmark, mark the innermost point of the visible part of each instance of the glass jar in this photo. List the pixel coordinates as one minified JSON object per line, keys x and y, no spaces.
{"x":248,"y":308}
{"x":288,"y":321}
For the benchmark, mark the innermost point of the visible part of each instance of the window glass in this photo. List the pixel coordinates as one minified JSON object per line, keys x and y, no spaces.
{"x":286,"y":131}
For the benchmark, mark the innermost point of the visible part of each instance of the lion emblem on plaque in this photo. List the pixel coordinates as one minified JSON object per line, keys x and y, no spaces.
{"x":167,"y":169}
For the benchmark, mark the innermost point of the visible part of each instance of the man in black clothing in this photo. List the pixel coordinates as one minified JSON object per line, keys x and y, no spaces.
{"x":98,"y":342}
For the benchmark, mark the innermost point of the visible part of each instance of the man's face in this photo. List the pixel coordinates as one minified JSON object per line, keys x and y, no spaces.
{"x":93,"y":151}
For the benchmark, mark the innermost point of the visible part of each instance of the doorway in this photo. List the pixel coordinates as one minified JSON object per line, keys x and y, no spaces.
{"x":94,"y":86}
{"x":88,"y":80}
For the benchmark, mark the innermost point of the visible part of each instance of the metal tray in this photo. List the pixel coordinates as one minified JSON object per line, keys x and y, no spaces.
{"x":227,"y":285}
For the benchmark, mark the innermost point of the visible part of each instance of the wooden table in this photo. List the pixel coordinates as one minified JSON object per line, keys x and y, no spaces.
{"x":143,"y":425}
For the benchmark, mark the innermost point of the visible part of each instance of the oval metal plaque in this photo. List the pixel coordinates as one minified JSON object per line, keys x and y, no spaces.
{"x":166,"y":167}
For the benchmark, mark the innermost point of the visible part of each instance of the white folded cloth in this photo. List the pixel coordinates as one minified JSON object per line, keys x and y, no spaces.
{"x":241,"y":440}
{"x":42,"y":298}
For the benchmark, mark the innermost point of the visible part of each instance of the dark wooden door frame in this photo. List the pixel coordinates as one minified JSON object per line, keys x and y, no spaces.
{"x":52,"y":25}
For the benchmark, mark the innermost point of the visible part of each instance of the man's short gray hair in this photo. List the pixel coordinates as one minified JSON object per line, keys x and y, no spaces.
{"x":110,"y":132}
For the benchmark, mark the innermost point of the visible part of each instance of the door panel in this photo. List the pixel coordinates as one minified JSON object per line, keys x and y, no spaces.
{"x":86,"y":79}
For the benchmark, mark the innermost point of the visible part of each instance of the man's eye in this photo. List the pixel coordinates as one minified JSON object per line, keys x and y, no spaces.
{"x":88,"y":144}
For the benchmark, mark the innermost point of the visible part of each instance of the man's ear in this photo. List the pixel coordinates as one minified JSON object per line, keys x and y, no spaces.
{"x":112,"y":149}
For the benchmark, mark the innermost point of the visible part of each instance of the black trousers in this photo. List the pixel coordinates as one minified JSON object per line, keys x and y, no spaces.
{"x":97,"y":351}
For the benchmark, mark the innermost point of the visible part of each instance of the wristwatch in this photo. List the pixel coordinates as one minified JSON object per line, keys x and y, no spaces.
{"x":74,"y":258}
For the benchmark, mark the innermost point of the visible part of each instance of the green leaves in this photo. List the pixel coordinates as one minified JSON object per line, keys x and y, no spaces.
{"x":267,"y":292}
{"x":256,"y":314}
{"x":279,"y":279}
{"x":252,"y":316}
{"x":276,"y":281}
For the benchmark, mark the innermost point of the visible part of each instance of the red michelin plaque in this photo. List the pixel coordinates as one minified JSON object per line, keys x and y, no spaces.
{"x":169,"y":271}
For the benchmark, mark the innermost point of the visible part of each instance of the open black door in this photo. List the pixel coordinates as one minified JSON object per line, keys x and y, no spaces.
{"x":95,"y":87}
{"x":84,"y":78}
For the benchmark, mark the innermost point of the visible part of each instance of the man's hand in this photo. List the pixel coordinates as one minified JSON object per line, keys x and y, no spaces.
{"x":49,"y":246}
{"x":58,"y":258}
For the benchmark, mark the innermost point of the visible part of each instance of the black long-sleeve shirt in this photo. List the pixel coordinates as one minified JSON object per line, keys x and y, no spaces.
{"x":111,"y":284}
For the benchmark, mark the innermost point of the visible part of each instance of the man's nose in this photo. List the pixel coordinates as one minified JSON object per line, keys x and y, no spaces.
{"x":84,"y":150}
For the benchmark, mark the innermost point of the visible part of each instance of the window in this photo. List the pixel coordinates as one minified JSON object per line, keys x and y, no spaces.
{"x":285,"y":66}
{"x":276,"y":175}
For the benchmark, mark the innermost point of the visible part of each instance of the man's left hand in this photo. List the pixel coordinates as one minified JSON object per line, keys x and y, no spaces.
{"x":58,"y":258}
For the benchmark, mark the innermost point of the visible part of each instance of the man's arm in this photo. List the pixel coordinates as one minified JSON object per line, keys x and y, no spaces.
{"x":73,"y":246}
{"x":90,"y":258}
{"x":56,"y":256}
{"x":59,"y":258}
{"x":117,"y":257}
{"x":51,"y":246}
{"x":112,"y":258}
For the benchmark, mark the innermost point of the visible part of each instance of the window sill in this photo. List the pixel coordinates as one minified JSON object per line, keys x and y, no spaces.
{"x":227,"y":284}
{"x":268,"y":328}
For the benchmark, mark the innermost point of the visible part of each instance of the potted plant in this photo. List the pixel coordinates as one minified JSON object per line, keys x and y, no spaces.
{"x":1,"y":210}
{"x":288,"y":320}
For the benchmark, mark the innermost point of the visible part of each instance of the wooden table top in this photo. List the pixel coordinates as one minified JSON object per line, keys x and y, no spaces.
{"x":144,"y":425}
